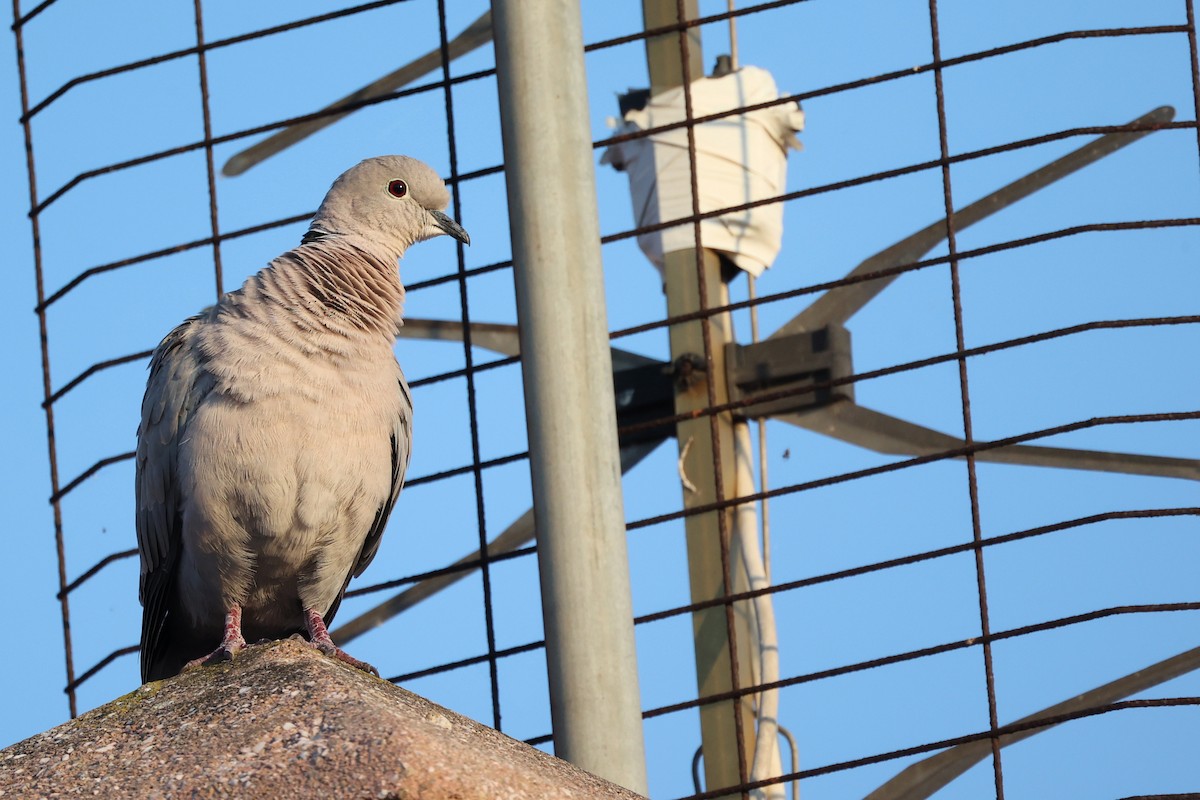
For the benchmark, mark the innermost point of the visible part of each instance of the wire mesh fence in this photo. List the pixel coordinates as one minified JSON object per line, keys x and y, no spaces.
{"x":928,"y":600}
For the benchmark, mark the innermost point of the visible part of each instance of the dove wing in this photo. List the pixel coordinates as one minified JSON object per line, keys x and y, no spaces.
{"x":401,"y":439}
{"x":178,"y":384}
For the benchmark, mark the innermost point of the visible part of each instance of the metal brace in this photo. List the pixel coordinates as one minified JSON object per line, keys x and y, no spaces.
{"x":787,"y":363}
{"x":646,"y":393}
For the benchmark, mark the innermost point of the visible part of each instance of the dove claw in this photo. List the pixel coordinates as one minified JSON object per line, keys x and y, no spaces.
{"x":318,"y":636}
{"x":231,"y":643}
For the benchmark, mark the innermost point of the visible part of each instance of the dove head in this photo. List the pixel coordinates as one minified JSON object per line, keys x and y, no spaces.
{"x":393,"y":200}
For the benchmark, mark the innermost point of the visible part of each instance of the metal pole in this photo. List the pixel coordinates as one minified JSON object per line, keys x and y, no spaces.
{"x":569,"y":402}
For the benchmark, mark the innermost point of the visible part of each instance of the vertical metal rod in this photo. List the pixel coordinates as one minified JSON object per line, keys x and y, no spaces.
{"x":211,"y":173}
{"x":965,"y":394}
{"x":464,"y":304}
{"x":569,"y":402}
{"x":1192,"y":48}
{"x":47,"y":384}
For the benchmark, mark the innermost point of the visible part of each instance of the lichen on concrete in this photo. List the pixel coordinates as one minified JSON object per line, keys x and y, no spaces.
{"x":283,"y":721}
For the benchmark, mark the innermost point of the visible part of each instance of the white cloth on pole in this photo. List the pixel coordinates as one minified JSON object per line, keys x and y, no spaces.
{"x":740,"y":158}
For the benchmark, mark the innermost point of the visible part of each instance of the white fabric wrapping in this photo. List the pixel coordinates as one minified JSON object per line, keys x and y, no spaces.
{"x":740,"y":158}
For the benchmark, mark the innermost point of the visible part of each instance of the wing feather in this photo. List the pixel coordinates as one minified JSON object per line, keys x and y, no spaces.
{"x":401,"y":450}
{"x":178,"y":383}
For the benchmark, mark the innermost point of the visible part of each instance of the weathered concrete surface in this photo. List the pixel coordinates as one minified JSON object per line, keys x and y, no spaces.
{"x":284,"y":721}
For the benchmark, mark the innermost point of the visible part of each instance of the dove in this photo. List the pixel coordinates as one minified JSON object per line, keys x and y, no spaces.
{"x":275,"y":431}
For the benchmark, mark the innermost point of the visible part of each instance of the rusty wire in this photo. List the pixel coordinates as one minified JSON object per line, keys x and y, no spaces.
{"x":928,"y":747}
{"x":736,"y":404}
{"x":788,"y":98}
{"x":468,"y":361}
{"x":843,"y":574}
{"x":762,"y":299}
{"x":965,"y":393}
{"x":724,"y":532}
{"x":209,"y":167}
{"x":924,"y":652}
{"x":59,"y":536}
{"x":444,"y":83}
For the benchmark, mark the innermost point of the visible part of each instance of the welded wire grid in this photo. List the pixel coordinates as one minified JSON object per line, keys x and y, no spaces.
{"x":826,"y":561}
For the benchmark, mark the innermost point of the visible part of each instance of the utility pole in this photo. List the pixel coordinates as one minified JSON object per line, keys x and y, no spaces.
{"x":724,"y":763}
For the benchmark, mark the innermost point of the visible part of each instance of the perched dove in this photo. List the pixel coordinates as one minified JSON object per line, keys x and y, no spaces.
{"x":275,"y":431}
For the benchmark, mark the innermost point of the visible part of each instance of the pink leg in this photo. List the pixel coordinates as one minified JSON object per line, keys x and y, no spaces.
{"x":231,"y":642}
{"x":318,"y":636}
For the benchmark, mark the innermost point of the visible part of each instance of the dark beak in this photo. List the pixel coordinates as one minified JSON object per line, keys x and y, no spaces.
{"x":450,"y":227}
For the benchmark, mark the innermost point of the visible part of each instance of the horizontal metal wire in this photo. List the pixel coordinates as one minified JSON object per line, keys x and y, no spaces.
{"x":215,"y":44}
{"x":845,"y":669}
{"x":956,"y":452}
{"x":908,"y":366}
{"x":99,"y":366}
{"x":353,"y":10}
{"x":167,"y":251}
{"x":231,"y":137}
{"x":89,"y":472}
{"x":111,"y":558}
{"x":468,"y":662}
{"x":470,"y":272}
{"x":473,"y":369}
{"x":734,"y":306}
{"x":464,"y":566}
{"x":800,"y":97}
{"x":791,"y":98}
{"x":914,"y":558}
{"x":862,"y":570}
{"x":924,"y":652}
{"x":941,"y":744}
{"x":469,"y":468}
{"x":814,"y":580}
{"x":770,"y":590}
{"x":435,"y":476}
{"x":641,"y":230}
{"x":99,"y":665}
{"x":759,"y":398}
{"x":945,"y":647}
{"x":679,"y":27}
{"x":910,"y":169}
{"x":894,"y":659}
{"x":962,"y":255}
{"x":39,"y":8}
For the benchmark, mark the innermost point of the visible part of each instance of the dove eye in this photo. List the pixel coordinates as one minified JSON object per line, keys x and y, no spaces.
{"x":397,"y":188}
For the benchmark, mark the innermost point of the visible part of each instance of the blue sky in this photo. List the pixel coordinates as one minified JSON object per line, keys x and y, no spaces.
{"x":808,"y":46}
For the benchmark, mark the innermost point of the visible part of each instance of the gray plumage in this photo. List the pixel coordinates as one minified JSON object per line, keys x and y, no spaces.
{"x":276,"y":427}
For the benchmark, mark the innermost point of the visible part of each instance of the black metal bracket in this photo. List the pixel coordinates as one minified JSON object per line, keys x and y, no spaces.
{"x":787,"y":363}
{"x":763,"y":370}
{"x":644,"y":394}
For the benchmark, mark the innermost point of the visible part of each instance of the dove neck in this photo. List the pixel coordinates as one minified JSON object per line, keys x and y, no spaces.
{"x":350,"y":287}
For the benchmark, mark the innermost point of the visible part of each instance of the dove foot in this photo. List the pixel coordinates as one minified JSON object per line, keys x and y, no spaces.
{"x":231,"y":642}
{"x":318,"y":637}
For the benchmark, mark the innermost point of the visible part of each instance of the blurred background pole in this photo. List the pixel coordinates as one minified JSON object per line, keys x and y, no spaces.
{"x":569,"y":401}
{"x":701,"y":453}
